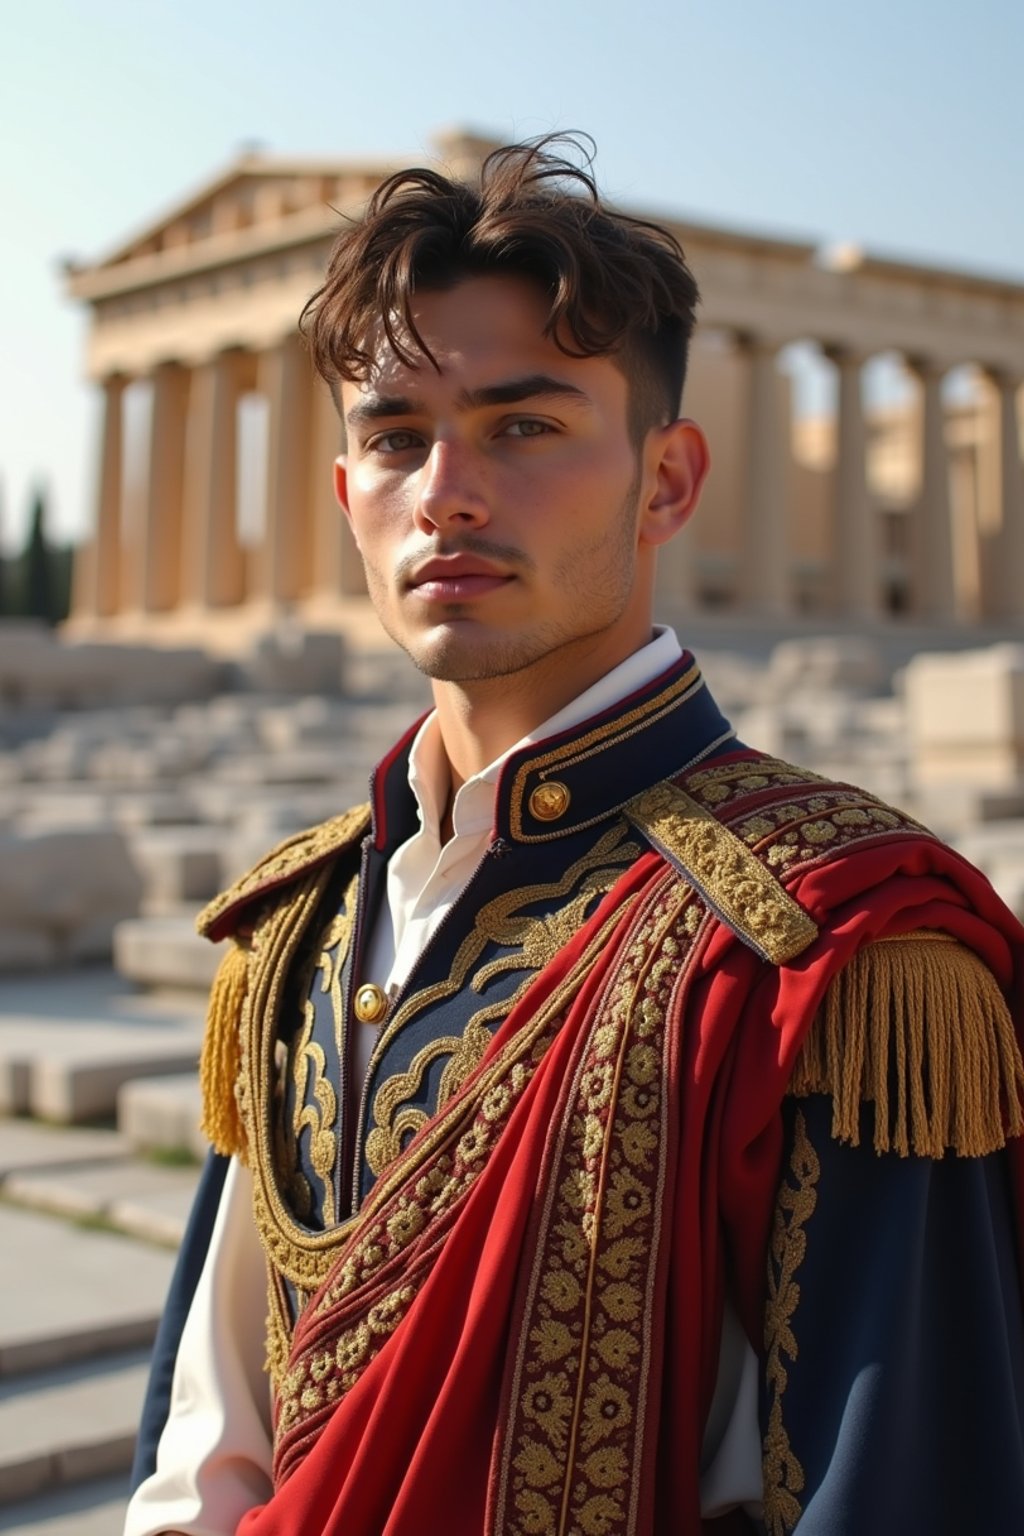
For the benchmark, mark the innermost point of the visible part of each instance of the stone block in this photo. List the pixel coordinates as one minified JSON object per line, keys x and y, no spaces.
{"x":26,"y":1146}
{"x":827,"y":664}
{"x":69,"y":1425}
{"x":88,"y":1289}
{"x":164,"y":952}
{"x":70,"y":1089}
{"x":161,"y":1112}
{"x":40,"y":670}
{"x":63,"y":808}
{"x":965,"y":718}
{"x":152,"y":808}
{"x":292,"y":659}
{"x":68,"y":888}
{"x":297,"y":765}
{"x":179,"y":864}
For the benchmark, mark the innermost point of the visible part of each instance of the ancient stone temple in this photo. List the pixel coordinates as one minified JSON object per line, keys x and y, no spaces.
{"x":214,"y":512}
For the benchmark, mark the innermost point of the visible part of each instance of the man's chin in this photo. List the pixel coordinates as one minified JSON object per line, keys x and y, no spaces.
{"x":464,"y":659}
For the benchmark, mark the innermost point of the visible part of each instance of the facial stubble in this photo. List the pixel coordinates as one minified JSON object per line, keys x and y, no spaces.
{"x":455,"y":651}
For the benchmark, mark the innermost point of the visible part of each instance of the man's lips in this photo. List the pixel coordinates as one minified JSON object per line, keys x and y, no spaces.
{"x":456,"y":579}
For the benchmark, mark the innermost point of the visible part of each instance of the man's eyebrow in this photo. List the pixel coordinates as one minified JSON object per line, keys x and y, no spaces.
{"x":534,"y":386}
{"x":372,"y":407}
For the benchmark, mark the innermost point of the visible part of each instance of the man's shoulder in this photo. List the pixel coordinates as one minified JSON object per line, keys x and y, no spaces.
{"x":282,"y":868}
{"x":739,"y":787}
{"x":743,"y":828}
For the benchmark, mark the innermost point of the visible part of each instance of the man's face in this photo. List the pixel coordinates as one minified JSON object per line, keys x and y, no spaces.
{"x":495,"y":501}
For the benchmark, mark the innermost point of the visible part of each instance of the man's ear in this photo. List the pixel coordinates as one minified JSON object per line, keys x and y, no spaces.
{"x":677,"y":465}
{"x":341,"y":486}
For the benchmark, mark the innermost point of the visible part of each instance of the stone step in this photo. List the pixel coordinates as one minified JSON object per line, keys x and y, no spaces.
{"x":165,"y":952}
{"x":68,"y":1042}
{"x":134,"y":1197}
{"x":71,"y":1293}
{"x":65,"y":1425}
{"x":163,"y":1113}
{"x":27,"y":1146}
{"x":95,"y":1508}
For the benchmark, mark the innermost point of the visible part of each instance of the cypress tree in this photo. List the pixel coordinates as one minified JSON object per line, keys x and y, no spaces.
{"x":37,"y":565}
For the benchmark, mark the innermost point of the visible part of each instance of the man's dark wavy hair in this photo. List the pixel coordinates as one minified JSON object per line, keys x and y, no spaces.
{"x":616,"y":286}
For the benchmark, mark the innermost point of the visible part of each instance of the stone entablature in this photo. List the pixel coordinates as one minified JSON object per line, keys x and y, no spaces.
{"x":203,"y":306}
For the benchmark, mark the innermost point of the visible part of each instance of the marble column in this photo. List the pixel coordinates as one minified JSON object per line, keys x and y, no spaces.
{"x":934,"y":581}
{"x":857,"y":579}
{"x":1006,"y":562}
{"x":764,"y":555}
{"x":98,"y":589}
{"x":162,"y":529}
{"x":213,"y":566}
{"x":284,"y":561}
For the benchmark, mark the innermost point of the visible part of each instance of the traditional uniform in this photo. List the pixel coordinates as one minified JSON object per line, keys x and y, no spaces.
{"x":702,"y":1036}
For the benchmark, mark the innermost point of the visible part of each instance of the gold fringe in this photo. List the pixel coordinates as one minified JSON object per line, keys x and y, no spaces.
{"x":917,"y":1026}
{"x":220,"y":1060}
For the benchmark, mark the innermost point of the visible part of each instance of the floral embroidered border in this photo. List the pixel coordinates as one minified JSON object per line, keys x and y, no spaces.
{"x":783,"y":1474}
{"x":570,"y":1456}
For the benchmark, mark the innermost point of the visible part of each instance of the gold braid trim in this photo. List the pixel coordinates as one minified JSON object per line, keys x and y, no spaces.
{"x":917,"y":1026}
{"x":783,"y":1473}
{"x":220,"y":1061}
{"x":737,"y":885}
{"x":286,"y":864}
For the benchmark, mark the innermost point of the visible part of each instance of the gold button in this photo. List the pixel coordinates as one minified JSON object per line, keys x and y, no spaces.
{"x":549,"y":801}
{"x":370,"y":1004}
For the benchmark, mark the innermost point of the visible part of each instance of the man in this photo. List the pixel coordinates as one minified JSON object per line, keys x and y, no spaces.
{"x":624,"y":1126}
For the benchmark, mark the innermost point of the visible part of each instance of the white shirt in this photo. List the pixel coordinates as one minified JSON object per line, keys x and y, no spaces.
{"x":214,"y":1456}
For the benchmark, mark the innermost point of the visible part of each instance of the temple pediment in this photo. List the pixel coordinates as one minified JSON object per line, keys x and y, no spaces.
{"x":255,"y":199}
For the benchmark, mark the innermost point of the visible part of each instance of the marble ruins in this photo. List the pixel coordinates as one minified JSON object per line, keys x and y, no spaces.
{"x":214,"y":506}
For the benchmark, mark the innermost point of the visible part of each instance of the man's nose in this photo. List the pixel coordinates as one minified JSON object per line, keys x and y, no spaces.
{"x":450,"y":491}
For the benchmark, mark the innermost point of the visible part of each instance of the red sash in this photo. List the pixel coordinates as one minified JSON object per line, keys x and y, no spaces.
{"x":520,"y":1332}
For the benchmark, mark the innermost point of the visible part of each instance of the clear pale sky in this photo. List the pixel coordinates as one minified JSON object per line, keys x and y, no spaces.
{"x":896,"y":124}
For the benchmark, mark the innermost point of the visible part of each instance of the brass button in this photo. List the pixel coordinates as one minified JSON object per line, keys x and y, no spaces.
{"x":549,"y":801}
{"x":370,"y":1004}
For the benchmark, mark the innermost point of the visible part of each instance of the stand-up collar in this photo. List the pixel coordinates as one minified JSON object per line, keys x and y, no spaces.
{"x":550,"y":788}
{"x":578,"y":778}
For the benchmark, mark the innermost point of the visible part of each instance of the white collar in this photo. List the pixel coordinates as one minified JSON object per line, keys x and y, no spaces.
{"x":472,"y":812}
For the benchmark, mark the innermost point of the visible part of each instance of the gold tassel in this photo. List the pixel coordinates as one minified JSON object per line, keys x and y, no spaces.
{"x":220,"y":1060}
{"x":917,"y":1026}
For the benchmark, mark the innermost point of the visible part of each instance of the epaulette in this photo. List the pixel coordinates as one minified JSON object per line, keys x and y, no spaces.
{"x":917,"y":1026}
{"x":914,"y":1025}
{"x":220,"y":1061}
{"x":289,"y":861}
{"x":738,"y":886}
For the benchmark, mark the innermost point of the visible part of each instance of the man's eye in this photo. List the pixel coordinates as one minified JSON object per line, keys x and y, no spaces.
{"x":397,"y":441}
{"x":528,"y":426}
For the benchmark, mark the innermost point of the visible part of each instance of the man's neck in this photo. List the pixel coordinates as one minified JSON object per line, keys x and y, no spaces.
{"x":480,"y":720}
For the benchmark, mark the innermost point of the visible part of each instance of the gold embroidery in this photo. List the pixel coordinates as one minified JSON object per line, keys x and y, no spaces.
{"x":334,"y":955}
{"x":571,"y":1456}
{"x":393,"y":1124}
{"x":319,"y":1117}
{"x":290,"y":860}
{"x":502,"y":922}
{"x":783,"y":1474}
{"x":298,"y":1254}
{"x":279,"y":1326}
{"x":306,"y":1056}
{"x":719,"y":783}
{"x":367,"y":1295}
{"x":917,"y":1026}
{"x":583,"y":747}
{"x":737,"y":885}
